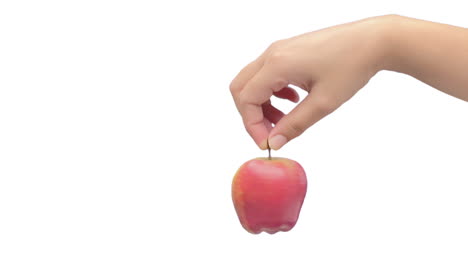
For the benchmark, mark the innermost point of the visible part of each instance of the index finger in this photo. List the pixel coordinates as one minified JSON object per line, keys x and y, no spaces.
{"x":256,"y":92}
{"x":238,"y":83}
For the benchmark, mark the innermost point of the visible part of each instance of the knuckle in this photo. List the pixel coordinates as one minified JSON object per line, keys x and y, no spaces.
{"x":276,"y":44}
{"x":277,"y":57}
{"x":273,"y":45}
{"x":234,"y":87}
{"x":243,"y":97}
{"x":249,"y":129}
{"x":277,"y":52}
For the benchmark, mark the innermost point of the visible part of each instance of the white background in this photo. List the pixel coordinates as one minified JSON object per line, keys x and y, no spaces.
{"x":119,"y":140}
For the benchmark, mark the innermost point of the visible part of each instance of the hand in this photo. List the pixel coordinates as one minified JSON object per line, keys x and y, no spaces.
{"x":330,"y":64}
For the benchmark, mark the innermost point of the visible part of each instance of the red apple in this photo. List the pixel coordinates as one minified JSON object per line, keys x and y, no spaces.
{"x":268,"y":194}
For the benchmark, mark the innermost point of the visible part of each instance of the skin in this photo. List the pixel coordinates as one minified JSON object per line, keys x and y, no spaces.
{"x":333,"y":64}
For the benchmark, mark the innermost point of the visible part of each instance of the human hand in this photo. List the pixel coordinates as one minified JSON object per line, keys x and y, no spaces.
{"x":330,"y":64}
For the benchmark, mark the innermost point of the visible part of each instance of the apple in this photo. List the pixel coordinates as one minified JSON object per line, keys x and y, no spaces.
{"x":268,"y":194}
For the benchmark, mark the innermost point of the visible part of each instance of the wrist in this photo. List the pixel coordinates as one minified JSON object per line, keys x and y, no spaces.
{"x":389,"y":36}
{"x":378,"y":41}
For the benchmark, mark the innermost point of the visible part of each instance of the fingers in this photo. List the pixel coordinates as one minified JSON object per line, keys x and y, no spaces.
{"x":256,"y":124}
{"x":251,"y":102}
{"x":243,"y":77}
{"x":251,"y":90}
{"x":313,"y":108}
{"x":288,"y":93}
{"x":259,"y":126}
{"x":272,"y":113}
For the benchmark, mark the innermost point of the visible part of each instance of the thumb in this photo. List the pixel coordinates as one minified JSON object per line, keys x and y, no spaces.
{"x":313,"y":108}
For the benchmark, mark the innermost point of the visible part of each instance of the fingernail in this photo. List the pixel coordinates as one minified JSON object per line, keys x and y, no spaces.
{"x":276,"y":142}
{"x":264,"y":145}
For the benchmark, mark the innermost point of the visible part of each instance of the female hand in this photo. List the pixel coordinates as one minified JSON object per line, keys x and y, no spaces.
{"x":330,"y":64}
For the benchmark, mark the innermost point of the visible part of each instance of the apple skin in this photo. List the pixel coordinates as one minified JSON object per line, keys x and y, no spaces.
{"x":268,"y":194}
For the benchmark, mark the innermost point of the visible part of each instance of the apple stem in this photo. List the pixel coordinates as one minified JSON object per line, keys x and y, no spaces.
{"x":269,"y":150}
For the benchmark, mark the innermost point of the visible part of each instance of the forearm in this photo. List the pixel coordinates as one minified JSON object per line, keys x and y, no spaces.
{"x":436,"y":54}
